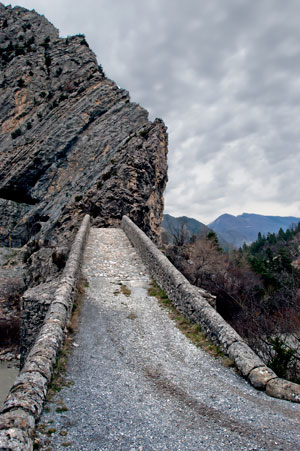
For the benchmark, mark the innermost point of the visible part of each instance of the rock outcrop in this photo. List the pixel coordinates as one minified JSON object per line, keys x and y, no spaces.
{"x":71,"y":143}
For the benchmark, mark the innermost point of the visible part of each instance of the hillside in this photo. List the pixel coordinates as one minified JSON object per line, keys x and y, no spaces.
{"x":245,"y":228}
{"x":71,"y":143}
{"x":190,"y":226}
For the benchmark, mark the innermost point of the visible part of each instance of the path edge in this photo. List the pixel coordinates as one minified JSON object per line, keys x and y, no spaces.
{"x":24,"y":403}
{"x":189,"y":301}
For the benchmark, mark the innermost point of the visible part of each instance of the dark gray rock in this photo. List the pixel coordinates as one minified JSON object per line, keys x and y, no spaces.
{"x":71,"y":143}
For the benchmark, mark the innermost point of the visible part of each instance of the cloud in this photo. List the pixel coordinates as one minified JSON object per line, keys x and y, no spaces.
{"x":224,"y":76}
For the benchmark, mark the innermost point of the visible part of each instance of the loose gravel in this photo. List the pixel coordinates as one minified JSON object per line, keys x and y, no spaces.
{"x":138,"y":384}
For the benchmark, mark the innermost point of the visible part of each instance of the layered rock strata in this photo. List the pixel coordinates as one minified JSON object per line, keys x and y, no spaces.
{"x":71,"y":143}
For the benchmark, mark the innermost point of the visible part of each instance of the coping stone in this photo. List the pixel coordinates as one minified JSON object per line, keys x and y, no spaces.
{"x":283,"y":389}
{"x":259,"y":377}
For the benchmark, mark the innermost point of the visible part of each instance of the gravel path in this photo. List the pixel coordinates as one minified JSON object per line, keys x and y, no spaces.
{"x":140,"y":385}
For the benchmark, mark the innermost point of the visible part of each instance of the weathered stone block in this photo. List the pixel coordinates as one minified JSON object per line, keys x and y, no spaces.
{"x":28,"y":392}
{"x":17,"y":419}
{"x":34,"y":307}
{"x":14,"y":439}
{"x":41,"y":364}
{"x":192,"y":302}
{"x":282,"y":389}
{"x":245,"y":359}
{"x":259,"y":377}
{"x":216,"y":328}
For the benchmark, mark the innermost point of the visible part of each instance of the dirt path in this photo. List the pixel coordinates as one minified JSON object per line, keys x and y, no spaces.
{"x":137,"y":382}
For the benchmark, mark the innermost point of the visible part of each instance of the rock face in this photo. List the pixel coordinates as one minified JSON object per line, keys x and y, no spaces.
{"x":71,"y":143}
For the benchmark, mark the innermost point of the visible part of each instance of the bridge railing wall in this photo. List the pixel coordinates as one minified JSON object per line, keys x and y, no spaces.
{"x":194,"y":306}
{"x":24,"y":403}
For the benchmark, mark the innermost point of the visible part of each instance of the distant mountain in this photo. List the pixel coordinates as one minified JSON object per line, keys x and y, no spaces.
{"x":172,"y":225}
{"x":244,"y":228}
{"x":191,"y":226}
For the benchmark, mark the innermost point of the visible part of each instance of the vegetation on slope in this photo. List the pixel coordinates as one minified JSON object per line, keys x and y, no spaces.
{"x":257,"y":290}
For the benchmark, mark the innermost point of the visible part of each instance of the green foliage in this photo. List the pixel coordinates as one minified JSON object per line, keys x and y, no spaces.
{"x":212,"y":236}
{"x":156,"y":291}
{"x":272,"y":256}
{"x":282,"y":357}
{"x":256,"y":289}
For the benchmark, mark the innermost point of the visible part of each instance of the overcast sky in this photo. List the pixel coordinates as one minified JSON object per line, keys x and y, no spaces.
{"x":225,"y":78}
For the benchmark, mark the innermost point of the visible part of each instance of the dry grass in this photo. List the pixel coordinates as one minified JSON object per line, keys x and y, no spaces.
{"x":123,"y":289}
{"x":59,"y":379}
{"x":59,"y":375}
{"x":191,"y":330}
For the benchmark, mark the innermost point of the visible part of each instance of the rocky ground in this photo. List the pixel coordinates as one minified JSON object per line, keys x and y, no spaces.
{"x":136,"y":383}
{"x":71,"y":143}
{"x":71,"y":140}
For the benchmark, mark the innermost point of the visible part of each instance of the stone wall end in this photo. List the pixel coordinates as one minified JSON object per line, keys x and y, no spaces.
{"x":24,"y":403}
{"x":194,"y":305}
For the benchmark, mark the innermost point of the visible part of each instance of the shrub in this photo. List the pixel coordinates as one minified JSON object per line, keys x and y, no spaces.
{"x":281,"y":358}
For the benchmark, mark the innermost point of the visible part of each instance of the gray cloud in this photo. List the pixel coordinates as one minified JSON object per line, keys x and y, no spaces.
{"x":224,"y":76}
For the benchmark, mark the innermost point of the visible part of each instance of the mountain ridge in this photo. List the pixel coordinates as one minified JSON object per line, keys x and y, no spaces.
{"x":231,"y":230}
{"x":244,"y":228}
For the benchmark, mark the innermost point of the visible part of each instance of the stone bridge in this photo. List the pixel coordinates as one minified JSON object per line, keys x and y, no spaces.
{"x":135,"y":381}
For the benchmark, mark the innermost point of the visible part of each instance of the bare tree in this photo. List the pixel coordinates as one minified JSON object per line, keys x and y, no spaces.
{"x":180,"y":234}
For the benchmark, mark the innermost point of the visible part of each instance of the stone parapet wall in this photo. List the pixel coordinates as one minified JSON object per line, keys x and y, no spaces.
{"x":24,"y":402}
{"x":35,"y":304}
{"x":194,"y":306}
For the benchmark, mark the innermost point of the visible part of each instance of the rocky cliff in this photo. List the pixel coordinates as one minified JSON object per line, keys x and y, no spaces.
{"x":71,"y":143}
